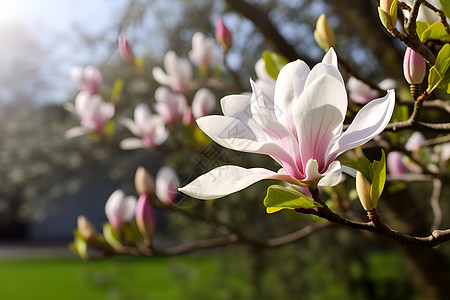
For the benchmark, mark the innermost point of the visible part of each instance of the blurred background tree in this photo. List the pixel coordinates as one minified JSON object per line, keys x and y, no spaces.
{"x":41,"y":170}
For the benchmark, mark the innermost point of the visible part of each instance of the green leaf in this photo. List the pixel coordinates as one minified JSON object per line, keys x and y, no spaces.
{"x":116,"y":90}
{"x":362,"y":165}
{"x":421,"y":27}
{"x":438,"y":74}
{"x":281,"y":197}
{"x":79,"y":245}
{"x":379,"y":179}
{"x":274,"y":63}
{"x":112,"y":237}
{"x":435,"y":31}
{"x":445,"y":7}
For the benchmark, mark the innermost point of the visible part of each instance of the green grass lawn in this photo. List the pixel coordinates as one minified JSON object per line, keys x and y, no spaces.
{"x":184,"y":277}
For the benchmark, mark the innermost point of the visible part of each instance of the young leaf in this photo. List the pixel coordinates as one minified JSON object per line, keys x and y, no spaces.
{"x":281,"y":197}
{"x":116,"y":90}
{"x":274,"y":63}
{"x":438,"y":73}
{"x":111,"y":236}
{"x":379,"y":178}
{"x":421,"y":27}
{"x":435,"y":31}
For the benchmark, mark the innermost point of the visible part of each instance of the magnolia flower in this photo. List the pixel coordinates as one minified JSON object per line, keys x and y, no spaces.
{"x":362,"y":93}
{"x":149,"y":127}
{"x":169,"y":106}
{"x":264,"y":82}
{"x":203,"y":103}
{"x":203,"y":50}
{"x":415,"y":141}
{"x":145,"y":218}
{"x":395,"y":163}
{"x":301,"y":128}
{"x":425,"y":14}
{"x":167,"y":185}
{"x":93,"y":112}
{"x":88,"y":79}
{"x":125,"y":50}
{"x":120,"y":208}
{"x":178,"y":73}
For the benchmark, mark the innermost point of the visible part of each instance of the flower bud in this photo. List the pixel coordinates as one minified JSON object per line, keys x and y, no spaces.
{"x":324,"y":34}
{"x":388,"y":13}
{"x":125,"y":50}
{"x":144,"y":183}
{"x":167,"y":185}
{"x":363,"y":190}
{"x":119,"y":208}
{"x":414,"y":67}
{"x":223,"y":35}
{"x":145,"y":219}
{"x":86,"y":229}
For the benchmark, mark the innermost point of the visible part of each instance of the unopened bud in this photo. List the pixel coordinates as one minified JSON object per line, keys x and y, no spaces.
{"x":86,"y":229}
{"x":363,"y":190}
{"x":125,"y":50}
{"x":145,"y":219}
{"x":144,"y":182}
{"x":324,"y":34}
{"x":167,"y":185}
{"x":388,"y":13}
{"x":414,"y":67}
{"x":223,"y":35}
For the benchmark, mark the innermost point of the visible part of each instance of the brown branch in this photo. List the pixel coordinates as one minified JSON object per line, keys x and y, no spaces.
{"x":420,"y":126}
{"x":441,"y":15}
{"x":376,"y":225}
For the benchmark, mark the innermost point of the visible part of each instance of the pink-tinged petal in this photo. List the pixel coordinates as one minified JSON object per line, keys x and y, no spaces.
{"x":131,"y":143}
{"x":261,"y":104}
{"x":234,"y":134}
{"x":141,"y":113}
{"x":319,"y":113}
{"x":130,"y":125}
{"x":167,"y":185}
{"x":289,"y":85}
{"x":145,"y":218}
{"x":226,"y":180}
{"x":395,"y":163}
{"x":160,"y":76}
{"x":330,"y":58}
{"x":359,"y":91}
{"x":368,"y":122}
{"x":415,"y":141}
{"x":119,"y":208}
{"x":74,"y":132}
{"x":203,"y":103}
{"x":323,"y":69}
{"x":333,"y":175}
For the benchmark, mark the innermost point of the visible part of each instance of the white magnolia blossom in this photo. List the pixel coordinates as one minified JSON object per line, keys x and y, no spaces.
{"x":149,"y":127}
{"x":93,"y":112}
{"x":203,"y":51}
{"x":166,"y":185}
{"x":169,"y":106}
{"x":301,"y":128}
{"x":87,"y":79}
{"x":415,"y":141}
{"x":362,"y":93}
{"x":203,"y":103}
{"x":120,"y":208}
{"x":264,"y":82}
{"x":178,"y":74}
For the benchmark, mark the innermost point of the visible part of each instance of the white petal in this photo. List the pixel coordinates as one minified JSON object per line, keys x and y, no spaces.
{"x":323,"y":69}
{"x":350,"y":171}
{"x":160,"y":76}
{"x":203,"y":103}
{"x":289,"y":85}
{"x":226,"y":180}
{"x":74,"y":132}
{"x":130,"y":125}
{"x":312,"y":170}
{"x":131,"y":144}
{"x":330,"y":58}
{"x":333,"y":175}
{"x":368,"y":122}
{"x":261,"y":104}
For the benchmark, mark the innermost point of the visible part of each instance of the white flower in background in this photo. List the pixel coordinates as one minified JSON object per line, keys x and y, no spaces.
{"x":120,"y":208}
{"x":149,"y":127}
{"x":93,"y":112}
{"x":178,"y":73}
{"x":203,"y":103}
{"x":301,"y":128}
{"x":87,"y":79}
{"x":169,"y":106}
{"x":362,"y":93}
{"x":264,"y":82}
{"x":167,"y":185}
{"x":203,"y":51}
{"x":415,"y":141}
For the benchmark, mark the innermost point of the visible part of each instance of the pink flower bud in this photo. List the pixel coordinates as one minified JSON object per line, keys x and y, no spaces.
{"x":223,"y":35}
{"x":119,"y":208}
{"x":414,"y":67}
{"x":125,"y":50}
{"x":145,"y":219}
{"x":167,"y":185}
{"x":395,"y":164}
{"x":144,"y":182}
